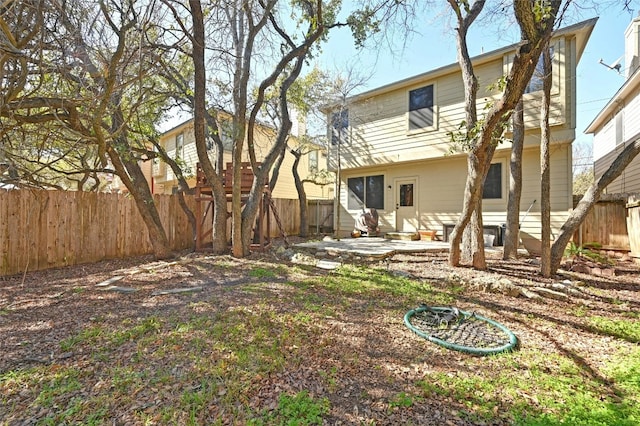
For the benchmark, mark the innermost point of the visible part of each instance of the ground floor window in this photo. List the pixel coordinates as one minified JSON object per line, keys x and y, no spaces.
{"x":493,"y":184}
{"x":366,"y":191}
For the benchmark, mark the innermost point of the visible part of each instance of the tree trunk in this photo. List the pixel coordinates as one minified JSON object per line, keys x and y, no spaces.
{"x":477,"y":169}
{"x":511,"y":237}
{"x":128,"y":170}
{"x":590,"y":198}
{"x":275,"y":173}
{"x":214,"y":178}
{"x":535,"y":33}
{"x":183,"y":186}
{"x":288,"y":69}
{"x":302,"y":194}
{"x":338,"y":191}
{"x":461,"y":233}
{"x":473,"y":242}
{"x":545,"y":167}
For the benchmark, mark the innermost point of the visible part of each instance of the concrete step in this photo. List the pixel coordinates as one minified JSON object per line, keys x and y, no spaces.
{"x":404,"y":236}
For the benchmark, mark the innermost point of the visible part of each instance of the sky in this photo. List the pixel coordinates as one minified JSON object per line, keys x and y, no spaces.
{"x":434,"y":45}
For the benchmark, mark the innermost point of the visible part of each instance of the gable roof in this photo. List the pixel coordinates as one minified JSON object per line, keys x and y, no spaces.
{"x":581,"y":30}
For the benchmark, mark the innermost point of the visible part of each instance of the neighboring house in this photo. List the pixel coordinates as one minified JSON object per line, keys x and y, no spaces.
{"x":618,"y":124}
{"x":394,"y":147}
{"x":179,"y":142}
{"x":115,"y":184}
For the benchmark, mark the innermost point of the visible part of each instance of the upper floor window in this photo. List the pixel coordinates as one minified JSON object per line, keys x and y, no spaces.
{"x":156,"y":155}
{"x":537,"y":79}
{"x":366,"y":191}
{"x":493,"y":183}
{"x":313,"y":161}
{"x":180,"y":145}
{"x":339,"y":126}
{"x":226,"y":135}
{"x":421,"y":108}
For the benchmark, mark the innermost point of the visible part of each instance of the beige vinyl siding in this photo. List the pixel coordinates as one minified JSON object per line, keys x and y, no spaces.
{"x":285,"y":187}
{"x":189,"y":155}
{"x":381,"y":143}
{"x":628,"y":181}
{"x":380,"y":134}
{"x":632,"y":114}
{"x":379,"y":125}
{"x":561,"y":89}
{"x":606,"y":147}
{"x":440,"y":191}
{"x":622,"y":123}
{"x":604,"y":141}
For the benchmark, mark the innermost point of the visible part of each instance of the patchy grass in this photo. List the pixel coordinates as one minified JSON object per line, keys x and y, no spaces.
{"x":623,"y":328}
{"x":315,"y":347}
{"x":299,"y":409}
{"x":539,"y":389}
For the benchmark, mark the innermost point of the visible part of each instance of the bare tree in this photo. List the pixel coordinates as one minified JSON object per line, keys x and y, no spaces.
{"x":214,"y":175}
{"x":470,"y":83}
{"x":318,"y":177}
{"x":323,"y":91}
{"x":536,"y":21}
{"x":87,"y":81}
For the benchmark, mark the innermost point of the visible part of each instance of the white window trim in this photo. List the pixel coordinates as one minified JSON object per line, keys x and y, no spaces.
{"x":503,"y":184}
{"x":559,"y":50}
{"x":435,"y":110}
{"x":179,"y":151}
{"x":364,"y":176}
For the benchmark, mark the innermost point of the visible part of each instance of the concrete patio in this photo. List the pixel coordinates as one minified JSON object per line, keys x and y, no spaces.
{"x":374,"y":246}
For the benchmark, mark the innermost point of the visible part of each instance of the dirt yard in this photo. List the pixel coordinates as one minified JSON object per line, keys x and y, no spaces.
{"x":369,"y":358}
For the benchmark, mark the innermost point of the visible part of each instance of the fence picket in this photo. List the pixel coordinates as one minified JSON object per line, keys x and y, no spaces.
{"x":46,"y":229}
{"x":605,"y":224}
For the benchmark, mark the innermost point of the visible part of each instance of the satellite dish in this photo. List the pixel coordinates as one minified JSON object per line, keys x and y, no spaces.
{"x":614,"y":66}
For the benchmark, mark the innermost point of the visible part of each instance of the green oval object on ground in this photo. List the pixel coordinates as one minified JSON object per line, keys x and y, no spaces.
{"x":460,"y":330}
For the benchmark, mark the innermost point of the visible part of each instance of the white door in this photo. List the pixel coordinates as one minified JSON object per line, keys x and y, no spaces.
{"x":406,"y":205}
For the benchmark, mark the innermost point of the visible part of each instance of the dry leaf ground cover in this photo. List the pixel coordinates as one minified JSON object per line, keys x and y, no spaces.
{"x":261,"y":341}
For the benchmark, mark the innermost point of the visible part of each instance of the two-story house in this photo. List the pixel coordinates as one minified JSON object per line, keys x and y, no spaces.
{"x":618,"y":124}
{"x":392,"y":144}
{"x":179,"y":143}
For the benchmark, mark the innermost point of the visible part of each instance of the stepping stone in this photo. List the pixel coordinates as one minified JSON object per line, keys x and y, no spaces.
{"x":551,"y":294}
{"x":110,"y":281}
{"x":120,"y":289}
{"x":176,"y":291}
{"x":327,"y":264}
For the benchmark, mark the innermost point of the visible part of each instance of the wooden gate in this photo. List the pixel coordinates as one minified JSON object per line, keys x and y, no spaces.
{"x":633,"y":224}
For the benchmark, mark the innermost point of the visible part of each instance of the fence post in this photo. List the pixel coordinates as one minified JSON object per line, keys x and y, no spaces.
{"x":633,"y":224}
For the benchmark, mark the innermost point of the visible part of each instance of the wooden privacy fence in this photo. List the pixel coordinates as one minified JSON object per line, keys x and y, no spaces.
{"x":289,"y":212}
{"x":320,"y":216}
{"x":606,"y":223}
{"x":46,"y":229}
{"x":633,"y":224}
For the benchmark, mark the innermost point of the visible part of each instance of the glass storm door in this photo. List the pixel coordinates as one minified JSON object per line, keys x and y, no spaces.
{"x":406,"y":205}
